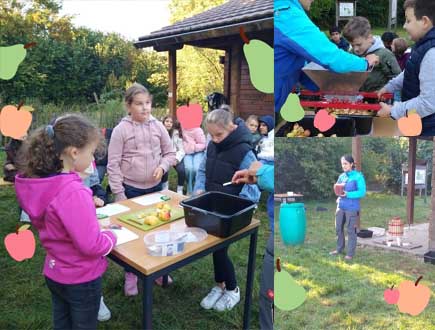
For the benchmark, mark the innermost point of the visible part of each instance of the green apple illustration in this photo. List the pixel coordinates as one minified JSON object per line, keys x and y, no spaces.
{"x":259,"y":56}
{"x":292,"y":110}
{"x":10,"y":59}
{"x":288,"y":294}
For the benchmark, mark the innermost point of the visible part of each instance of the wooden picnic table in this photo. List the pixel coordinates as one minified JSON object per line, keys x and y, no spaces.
{"x":134,"y":258}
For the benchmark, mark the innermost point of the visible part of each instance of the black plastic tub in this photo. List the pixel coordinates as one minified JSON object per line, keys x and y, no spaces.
{"x":363,"y":125}
{"x":365,"y":233}
{"x":430,"y":257}
{"x":344,"y":126}
{"x":218,"y":213}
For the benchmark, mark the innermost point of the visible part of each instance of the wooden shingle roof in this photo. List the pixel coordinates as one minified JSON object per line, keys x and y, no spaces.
{"x":227,"y":14}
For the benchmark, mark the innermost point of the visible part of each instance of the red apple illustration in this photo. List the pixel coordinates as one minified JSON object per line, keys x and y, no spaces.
{"x":413,"y":298}
{"x":21,"y":244}
{"x":391,"y":296}
{"x":323,"y":120}
{"x":15,"y":121}
{"x":190,"y":116}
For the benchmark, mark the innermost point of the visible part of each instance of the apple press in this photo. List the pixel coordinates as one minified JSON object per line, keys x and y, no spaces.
{"x":340,"y":91}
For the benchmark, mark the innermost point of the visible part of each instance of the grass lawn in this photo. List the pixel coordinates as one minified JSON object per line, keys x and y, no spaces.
{"x":349,"y":295}
{"x":25,"y":301}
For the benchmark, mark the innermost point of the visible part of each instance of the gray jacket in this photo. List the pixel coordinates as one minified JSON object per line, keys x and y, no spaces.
{"x":425,"y":102}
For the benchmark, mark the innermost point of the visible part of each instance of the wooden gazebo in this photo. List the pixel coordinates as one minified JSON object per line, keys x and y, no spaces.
{"x":218,"y":28}
{"x":412,"y":162}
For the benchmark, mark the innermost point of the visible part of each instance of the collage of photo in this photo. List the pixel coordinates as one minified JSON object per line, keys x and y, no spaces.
{"x":217,"y":164}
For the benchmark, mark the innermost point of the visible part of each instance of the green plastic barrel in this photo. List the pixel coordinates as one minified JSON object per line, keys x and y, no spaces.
{"x":292,"y":223}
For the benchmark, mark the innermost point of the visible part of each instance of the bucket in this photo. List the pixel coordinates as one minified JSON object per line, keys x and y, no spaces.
{"x":292,"y":223}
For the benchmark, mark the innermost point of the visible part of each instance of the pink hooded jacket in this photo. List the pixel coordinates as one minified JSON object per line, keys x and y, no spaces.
{"x":193,"y":140}
{"x":135,"y":151}
{"x":62,"y":210}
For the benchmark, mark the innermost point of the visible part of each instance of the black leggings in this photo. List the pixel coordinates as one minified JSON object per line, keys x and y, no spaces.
{"x":224,"y":269}
{"x":181,"y":173}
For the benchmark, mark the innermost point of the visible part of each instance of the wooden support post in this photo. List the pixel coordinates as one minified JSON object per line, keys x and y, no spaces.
{"x":356,"y":154}
{"x":172,"y":92}
{"x":432,"y":218}
{"x":410,"y":189}
{"x":235,"y":77}
{"x":356,"y":151}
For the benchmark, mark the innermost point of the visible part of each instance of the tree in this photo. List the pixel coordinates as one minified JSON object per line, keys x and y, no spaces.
{"x":198,"y":69}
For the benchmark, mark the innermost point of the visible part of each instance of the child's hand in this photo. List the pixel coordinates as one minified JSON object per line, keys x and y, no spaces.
{"x":120,"y":197}
{"x":158,"y":173}
{"x":344,"y":194}
{"x":372,"y":59}
{"x":381,"y":92}
{"x":98,"y":201}
{"x":385,"y":110}
{"x":198,"y":192}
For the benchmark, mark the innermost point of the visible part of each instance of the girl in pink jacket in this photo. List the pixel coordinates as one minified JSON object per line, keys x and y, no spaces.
{"x":140,"y":152}
{"x":194,"y":146}
{"x":62,"y":210}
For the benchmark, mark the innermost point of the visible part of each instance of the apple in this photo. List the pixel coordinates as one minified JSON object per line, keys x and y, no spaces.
{"x":391,"y":296}
{"x":411,"y":124}
{"x":323,"y":120}
{"x":189,"y":116}
{"x":165,"y":215}
{"x":413,"y":297}
{"x":15,"y":122}
{"x":166,"y":207}
{"x":151,"y":220}
{"x":21,"y":244}
{"x":160,"y":205}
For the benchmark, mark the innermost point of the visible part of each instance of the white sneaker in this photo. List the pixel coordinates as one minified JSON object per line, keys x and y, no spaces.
{"x":213,"y":296}
{"x":103,"y":312}
{"x":228,"y":300}
{"x":180,"y":190}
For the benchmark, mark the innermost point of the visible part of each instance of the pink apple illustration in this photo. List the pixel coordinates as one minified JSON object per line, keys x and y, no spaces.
{"x":190,"y":116}
{"x":21,"y":244}
{"x":391,"y":296}
{"x":323,"y":120}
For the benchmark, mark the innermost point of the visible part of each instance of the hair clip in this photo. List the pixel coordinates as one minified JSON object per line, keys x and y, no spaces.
{"x":49,"y":130}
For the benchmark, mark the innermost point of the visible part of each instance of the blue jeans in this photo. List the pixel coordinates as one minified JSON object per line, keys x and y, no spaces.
{"x":75,"y":306}
{"x":132,"y":192}
{"x":191,"y":165}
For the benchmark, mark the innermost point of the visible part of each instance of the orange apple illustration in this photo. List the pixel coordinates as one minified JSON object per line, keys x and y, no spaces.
{"x":413,"y":297}
{"x":391,"y":296}
{"x":189,"y":116}
{"x":410,"y":125}
{"x":15,"y":121}
{"x":21,"y":244}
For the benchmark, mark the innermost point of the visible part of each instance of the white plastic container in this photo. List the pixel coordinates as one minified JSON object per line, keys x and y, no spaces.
{"x":164,"y":243}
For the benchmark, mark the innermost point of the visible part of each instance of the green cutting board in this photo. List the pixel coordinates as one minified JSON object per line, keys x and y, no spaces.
{"x":176,"y":213}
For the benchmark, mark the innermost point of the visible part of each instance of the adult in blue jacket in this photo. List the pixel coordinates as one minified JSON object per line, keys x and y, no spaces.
{"x":348,"y":206}
{"x":298,"y":41}
{"x":263,"y":176}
